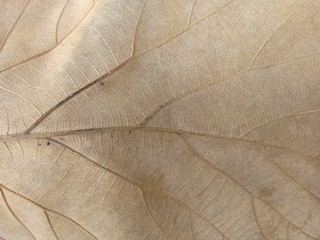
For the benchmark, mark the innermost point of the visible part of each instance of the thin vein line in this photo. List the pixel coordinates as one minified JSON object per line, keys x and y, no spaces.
{"x":49,"y":210}
{"x":47,"y":113}
{"x":278,"y":119}
{"x":37,"y":122}
{"x":191,"y":226}
{"x":256,"y":218}
{"x":93,"y":162}
{"x":43,"y":116}
{"x":187,"y":207}
{"x":171,"y":197}
{"x":270,"y":36}
{"x":142,"y":188}
{"x":282,"y":216}
{"x":284,"y":62}
{"x":136,"y":29}
{"x":267,"y":155}
{"x":15,"y":23}
{"x":148,"y":118}
{"x":211,"y":165}
{"x":148,"y":50}
{"x":51,"y":49}
{"x":177,"y":99}
{"x":13,"y":214}
{"x":191,"y":12}
{"x":50,"y":224}
{"x":58,"y":22}
{"x":150,"y":215}
{"x":227,"y":175}
{"x":147,"y":129}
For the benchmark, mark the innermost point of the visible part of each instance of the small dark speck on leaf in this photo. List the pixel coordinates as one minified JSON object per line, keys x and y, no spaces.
{"x":48,"y":143}
{"x":101,"y":83}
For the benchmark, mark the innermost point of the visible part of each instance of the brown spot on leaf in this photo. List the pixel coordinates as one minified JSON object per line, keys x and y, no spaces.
{"x":266,"y":192}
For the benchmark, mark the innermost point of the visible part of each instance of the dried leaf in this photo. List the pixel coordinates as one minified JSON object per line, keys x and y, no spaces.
{"x":159,"y":119}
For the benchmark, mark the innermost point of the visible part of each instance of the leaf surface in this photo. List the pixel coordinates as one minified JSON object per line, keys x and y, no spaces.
{"x":159,"y":119}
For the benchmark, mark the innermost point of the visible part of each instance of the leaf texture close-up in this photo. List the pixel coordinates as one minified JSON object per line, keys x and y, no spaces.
{"x":160,"y":119}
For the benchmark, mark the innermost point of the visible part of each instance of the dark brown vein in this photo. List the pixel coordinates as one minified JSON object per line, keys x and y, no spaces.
{"x":147,"y":129}
{"x":50,"y":224}
{"x":174,"y":100}
{"x":14,"y":24}
{"x":13,"y":214}
{"x":46,"y":209}
{"x":39,"y":120}
{"x":46,"y":114}
{"x":148,"y":118}
{"x":152,"y":114}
